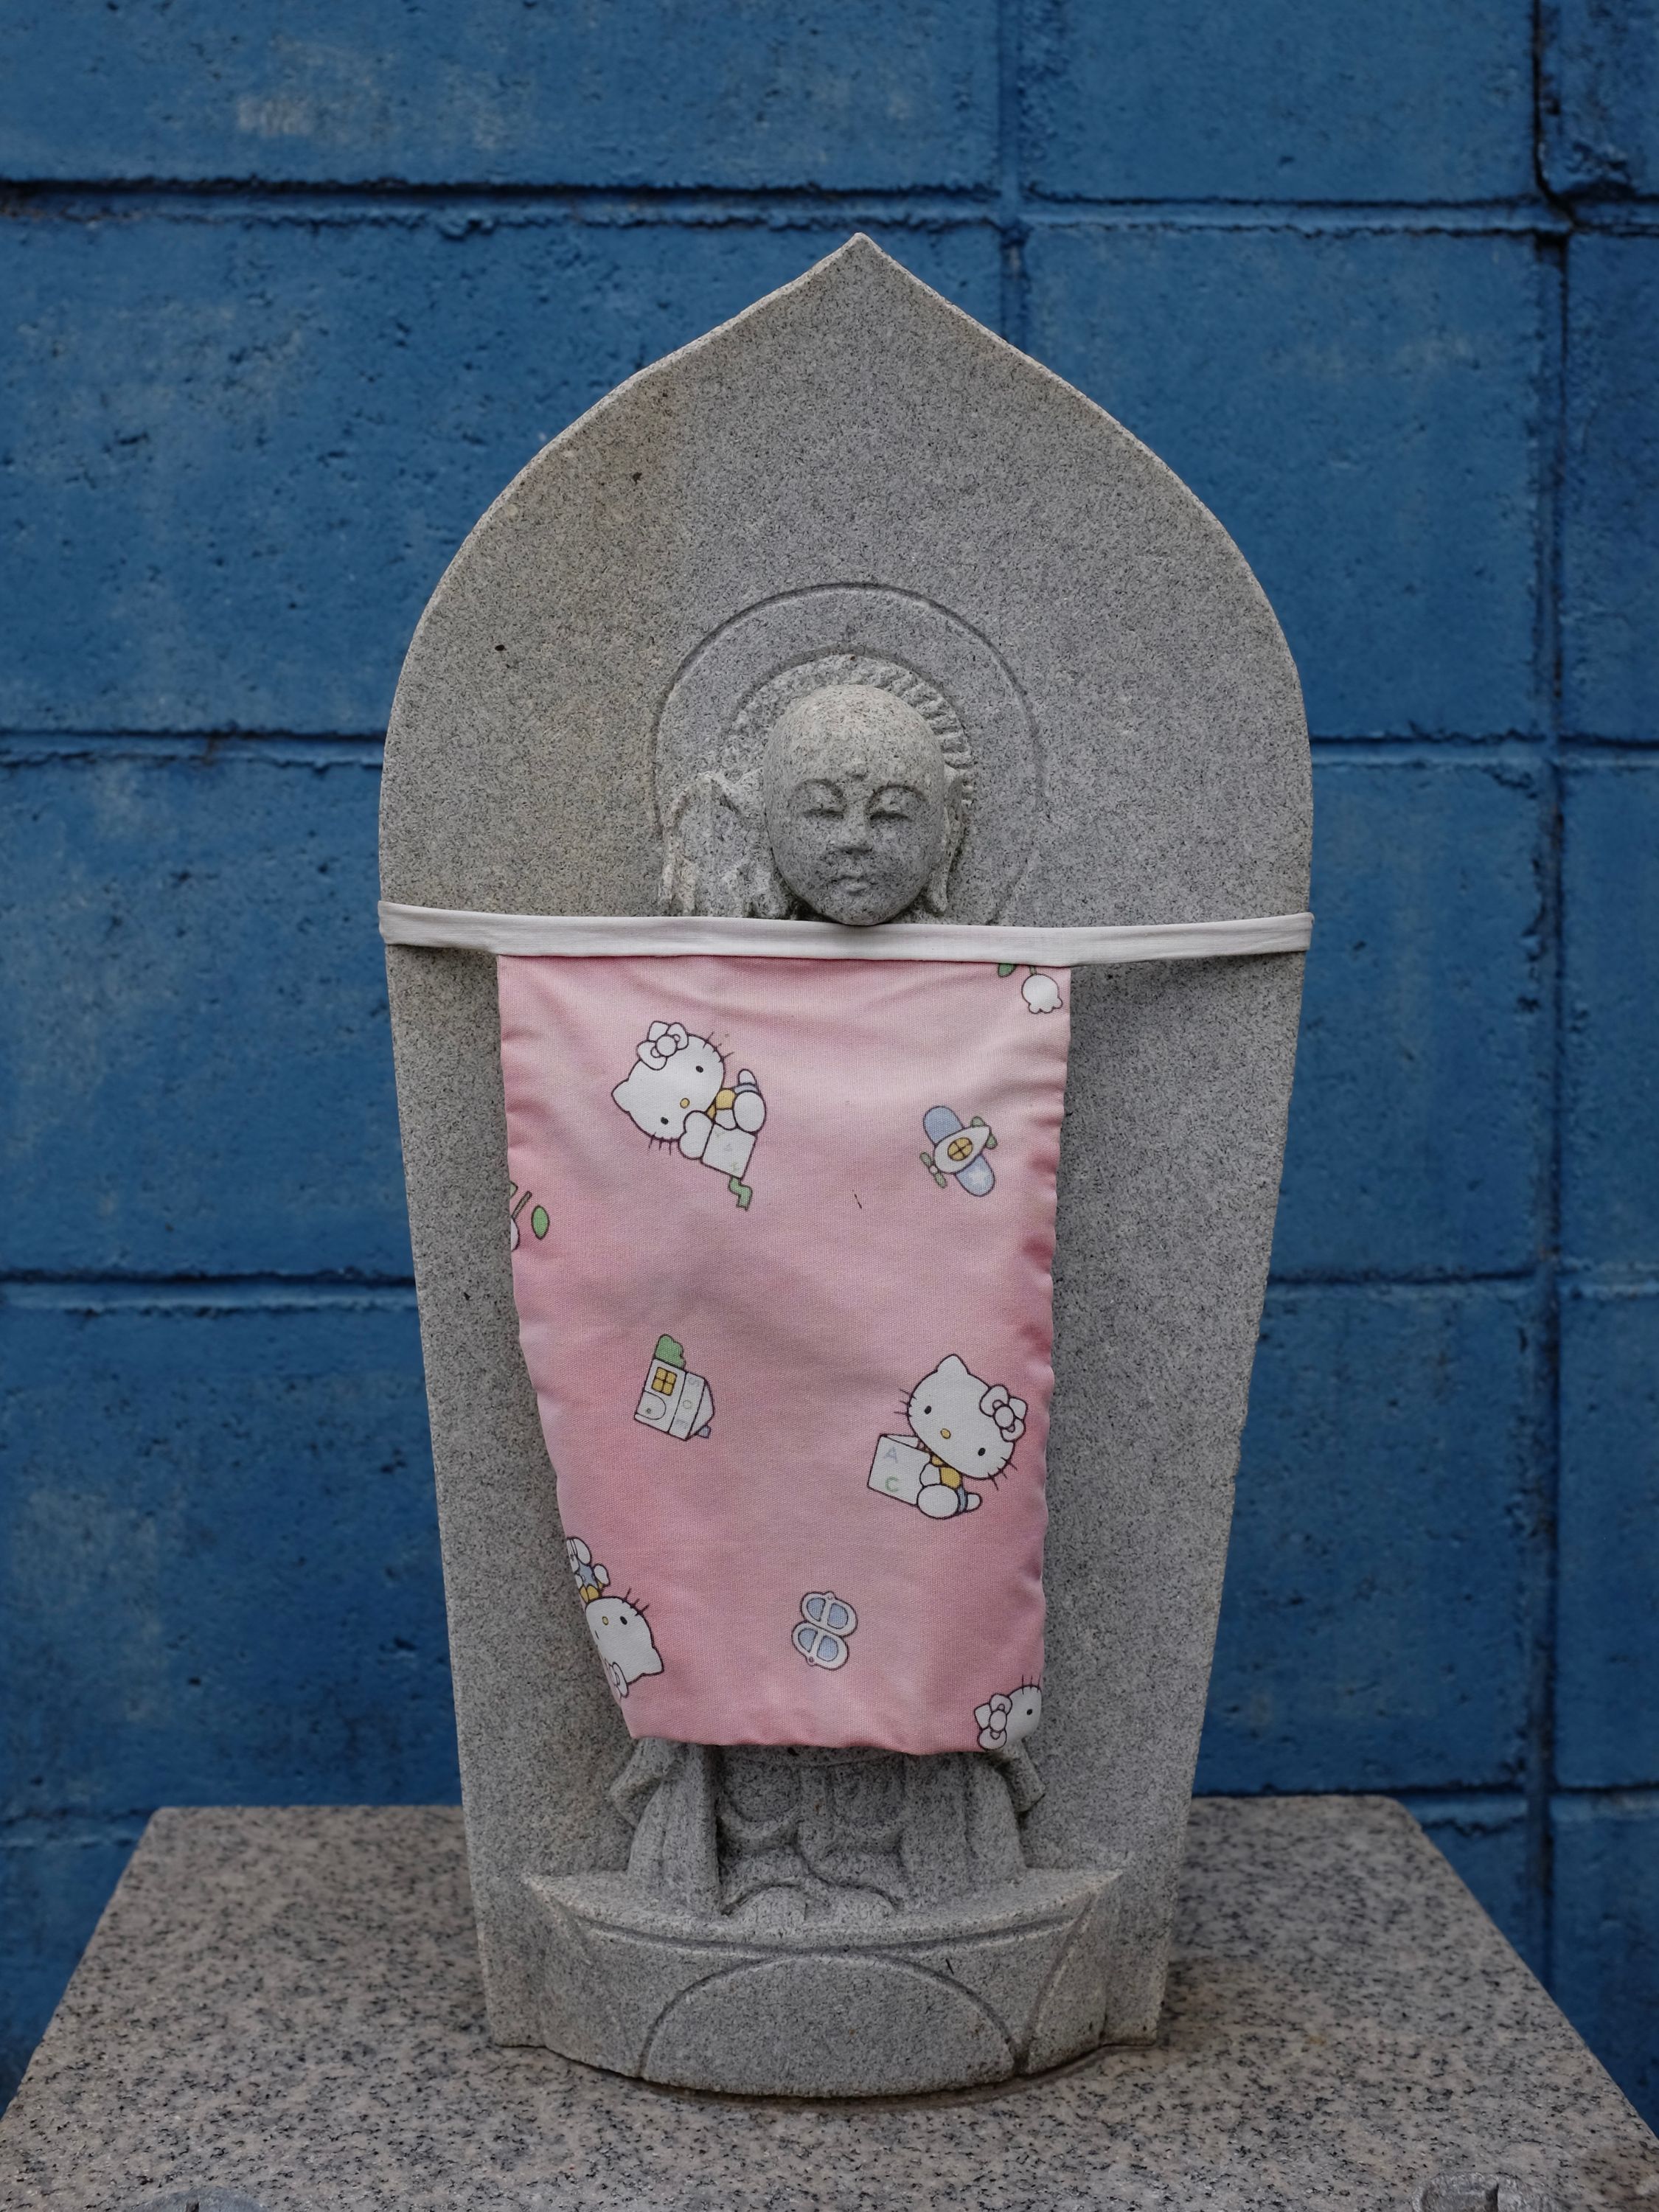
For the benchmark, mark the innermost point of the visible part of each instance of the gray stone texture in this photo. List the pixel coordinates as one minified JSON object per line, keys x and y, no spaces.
{"x":286,"y":2007}
{"x":853,"y":467}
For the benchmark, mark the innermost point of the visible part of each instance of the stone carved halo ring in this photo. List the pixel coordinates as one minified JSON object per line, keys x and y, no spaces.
{"x":714,"y":726}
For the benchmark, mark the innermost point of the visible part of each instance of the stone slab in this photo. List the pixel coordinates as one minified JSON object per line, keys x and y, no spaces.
{"x":285,"y":2008}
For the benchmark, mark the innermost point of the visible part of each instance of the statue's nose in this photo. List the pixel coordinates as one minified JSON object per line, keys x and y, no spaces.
{"x":943,"y":1433}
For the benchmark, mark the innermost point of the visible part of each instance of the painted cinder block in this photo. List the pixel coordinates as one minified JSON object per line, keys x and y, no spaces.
{"x":246,"y":442}
{"x":1375,"y":1627}
{"x":1610,"y":504}
{"x":55,"y":1876}
{"x":1605,"y":1954}
{"x":870,"y":94}
{"x":1419,"y":1136}
{"x":1606,"y":1668}
{"x":1295,"y":100}
{"x":1362,"y":413}
{"x":1610,"y":953}
{"x":1488,"y":1842}
{"x":220,"y":1579}
{"x":1600,"y":97}
{"x":196,"y":1071}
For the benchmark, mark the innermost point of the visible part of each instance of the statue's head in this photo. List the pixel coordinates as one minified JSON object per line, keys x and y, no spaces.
{"x":840,"y":787}
{"x":861,"y":809}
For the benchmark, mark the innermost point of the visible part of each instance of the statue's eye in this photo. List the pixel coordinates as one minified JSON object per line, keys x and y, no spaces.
{"x":926,"y":1409}
{"x":664,"y":1120}
{"x":982,"y":1451}
{"x":892,"y":804}
{"x":700,"y":1067}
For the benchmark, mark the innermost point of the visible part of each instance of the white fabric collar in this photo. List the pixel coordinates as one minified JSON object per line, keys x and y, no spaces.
{"x":602,"y":937}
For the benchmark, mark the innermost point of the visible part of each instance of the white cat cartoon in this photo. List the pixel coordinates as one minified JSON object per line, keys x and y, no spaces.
{"x":1007,"y":1721}
{"x":962,"y":1429}
{"x":677,"y":1093}
{"x":617,"y":1625}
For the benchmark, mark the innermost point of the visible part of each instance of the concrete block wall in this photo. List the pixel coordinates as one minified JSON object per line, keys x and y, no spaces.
{"x":290,"y":291}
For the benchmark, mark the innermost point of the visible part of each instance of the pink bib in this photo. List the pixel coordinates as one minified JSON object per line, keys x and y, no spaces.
{"x":782,"y":1208}
{"x":789,"y":1321}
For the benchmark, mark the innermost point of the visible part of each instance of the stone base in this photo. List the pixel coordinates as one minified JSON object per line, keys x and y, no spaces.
{"x":921,"y":2000}
{"x":284,"y":2008}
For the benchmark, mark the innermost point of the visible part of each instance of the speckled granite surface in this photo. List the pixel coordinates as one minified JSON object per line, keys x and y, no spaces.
{"x":284,"y":2007}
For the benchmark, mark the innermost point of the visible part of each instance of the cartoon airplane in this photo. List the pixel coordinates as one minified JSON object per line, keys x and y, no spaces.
{"x":959,"y":1150}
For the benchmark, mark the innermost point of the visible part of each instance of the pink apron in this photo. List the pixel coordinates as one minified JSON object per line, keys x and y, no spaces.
{"x":782,"y":1219}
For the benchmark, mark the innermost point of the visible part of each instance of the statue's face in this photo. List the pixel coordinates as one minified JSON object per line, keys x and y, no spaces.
{"x":856,"y":803}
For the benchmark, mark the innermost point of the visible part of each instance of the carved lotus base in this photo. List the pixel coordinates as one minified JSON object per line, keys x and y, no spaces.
{"x":1009,"y":1982}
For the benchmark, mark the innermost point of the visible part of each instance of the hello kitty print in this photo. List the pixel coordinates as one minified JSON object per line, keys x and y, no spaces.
{"x":725,"y":1151}
{"x":962,"y":1431}
{"x":677,"y":1093}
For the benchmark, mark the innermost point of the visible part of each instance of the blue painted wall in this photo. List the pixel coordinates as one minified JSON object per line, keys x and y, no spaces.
{"x":290,"y":293}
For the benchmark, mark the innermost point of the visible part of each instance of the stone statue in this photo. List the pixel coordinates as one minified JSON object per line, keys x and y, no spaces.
{"x":855,"y":816}
{"x":850,"y":611}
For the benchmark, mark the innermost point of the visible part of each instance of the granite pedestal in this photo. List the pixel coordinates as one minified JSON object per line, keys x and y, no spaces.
{"x":282,"y":2012}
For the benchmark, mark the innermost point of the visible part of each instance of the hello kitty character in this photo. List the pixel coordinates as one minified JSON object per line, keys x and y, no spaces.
{"x":620,"y":1634}
{"x":1005,"y":1721}
{"x":677,"y":1093}
{"x":962,"y":1429}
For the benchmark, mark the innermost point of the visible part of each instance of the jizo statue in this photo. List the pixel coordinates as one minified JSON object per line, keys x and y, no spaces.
{"x":845,"y":615}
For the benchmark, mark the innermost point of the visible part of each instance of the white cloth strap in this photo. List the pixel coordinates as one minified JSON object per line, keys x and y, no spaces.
{"x":611,"y":937}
